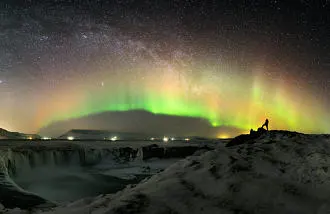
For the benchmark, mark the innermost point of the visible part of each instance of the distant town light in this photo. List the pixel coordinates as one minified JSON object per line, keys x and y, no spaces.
{"x":46,"y":138}
{"x":172,"y":138}
{"x":70,"y":138}
{"x":165,"y":139}
{"x":186,"y":139}
{"x":152,"y":138}
{"x":30,"y":138}
{"x":114,"y":138}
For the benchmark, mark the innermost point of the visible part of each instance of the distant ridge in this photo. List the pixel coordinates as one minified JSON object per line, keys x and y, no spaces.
{"x":91,"y":134}
{"x":140,"y":121}
{"x":4,"y":134}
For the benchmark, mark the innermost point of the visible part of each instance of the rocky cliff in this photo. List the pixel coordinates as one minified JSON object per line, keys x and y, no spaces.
{"x":19,"y":161}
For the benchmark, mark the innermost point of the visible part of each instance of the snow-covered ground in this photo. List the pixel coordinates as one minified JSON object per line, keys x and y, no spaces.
{"x":281,"y":172}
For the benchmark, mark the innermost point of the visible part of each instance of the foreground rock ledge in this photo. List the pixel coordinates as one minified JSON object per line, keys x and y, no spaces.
{"x":281,"y":172}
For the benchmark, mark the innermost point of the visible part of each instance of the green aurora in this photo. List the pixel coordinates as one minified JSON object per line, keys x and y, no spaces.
{"x":237,"y":102}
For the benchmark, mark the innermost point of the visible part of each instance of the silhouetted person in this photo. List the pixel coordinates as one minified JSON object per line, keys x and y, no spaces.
{"x":265,"y":124}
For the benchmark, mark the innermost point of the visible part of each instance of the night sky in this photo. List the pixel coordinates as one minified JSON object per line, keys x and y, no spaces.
{"x":232,"y":63}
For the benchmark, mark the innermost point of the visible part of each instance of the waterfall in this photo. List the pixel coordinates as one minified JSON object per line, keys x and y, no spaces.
{"x":84,"y":164}
{"x":23,"y":161}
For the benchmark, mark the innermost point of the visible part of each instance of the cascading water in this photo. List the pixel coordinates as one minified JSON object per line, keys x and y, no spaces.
{"x":68,"y":174}
{"x":50,"y":175}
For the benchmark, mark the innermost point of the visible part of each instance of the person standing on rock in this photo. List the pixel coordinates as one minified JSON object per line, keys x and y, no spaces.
{"x":265,"y":124}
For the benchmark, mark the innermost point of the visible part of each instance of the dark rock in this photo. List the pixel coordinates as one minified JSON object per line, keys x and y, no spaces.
{"x":247,"y":138}
{"x":239,"y":140}
{"x":154,"y":151}
{"x":137,"y":203}
{"x":214,"y":172}
{"x":181,"y":152}
{"x":12,"y":196}
{"x":12,"y":199}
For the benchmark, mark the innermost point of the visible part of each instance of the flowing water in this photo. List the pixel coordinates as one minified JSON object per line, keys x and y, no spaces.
{"x":68,"y":174}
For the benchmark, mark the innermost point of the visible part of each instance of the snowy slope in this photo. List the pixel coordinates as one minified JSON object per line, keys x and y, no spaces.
{"x":281,"y":172}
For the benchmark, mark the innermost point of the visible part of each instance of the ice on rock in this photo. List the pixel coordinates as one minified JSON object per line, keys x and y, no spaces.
{"x":16,"y":211}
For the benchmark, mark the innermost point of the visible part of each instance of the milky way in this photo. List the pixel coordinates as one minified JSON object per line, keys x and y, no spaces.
{"x":61,"y":61}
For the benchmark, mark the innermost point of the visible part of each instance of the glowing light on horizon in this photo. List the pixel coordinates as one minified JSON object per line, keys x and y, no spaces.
{"x":223,"y":136}
{"x":70,"y":138}
{"x":114,"y":138}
